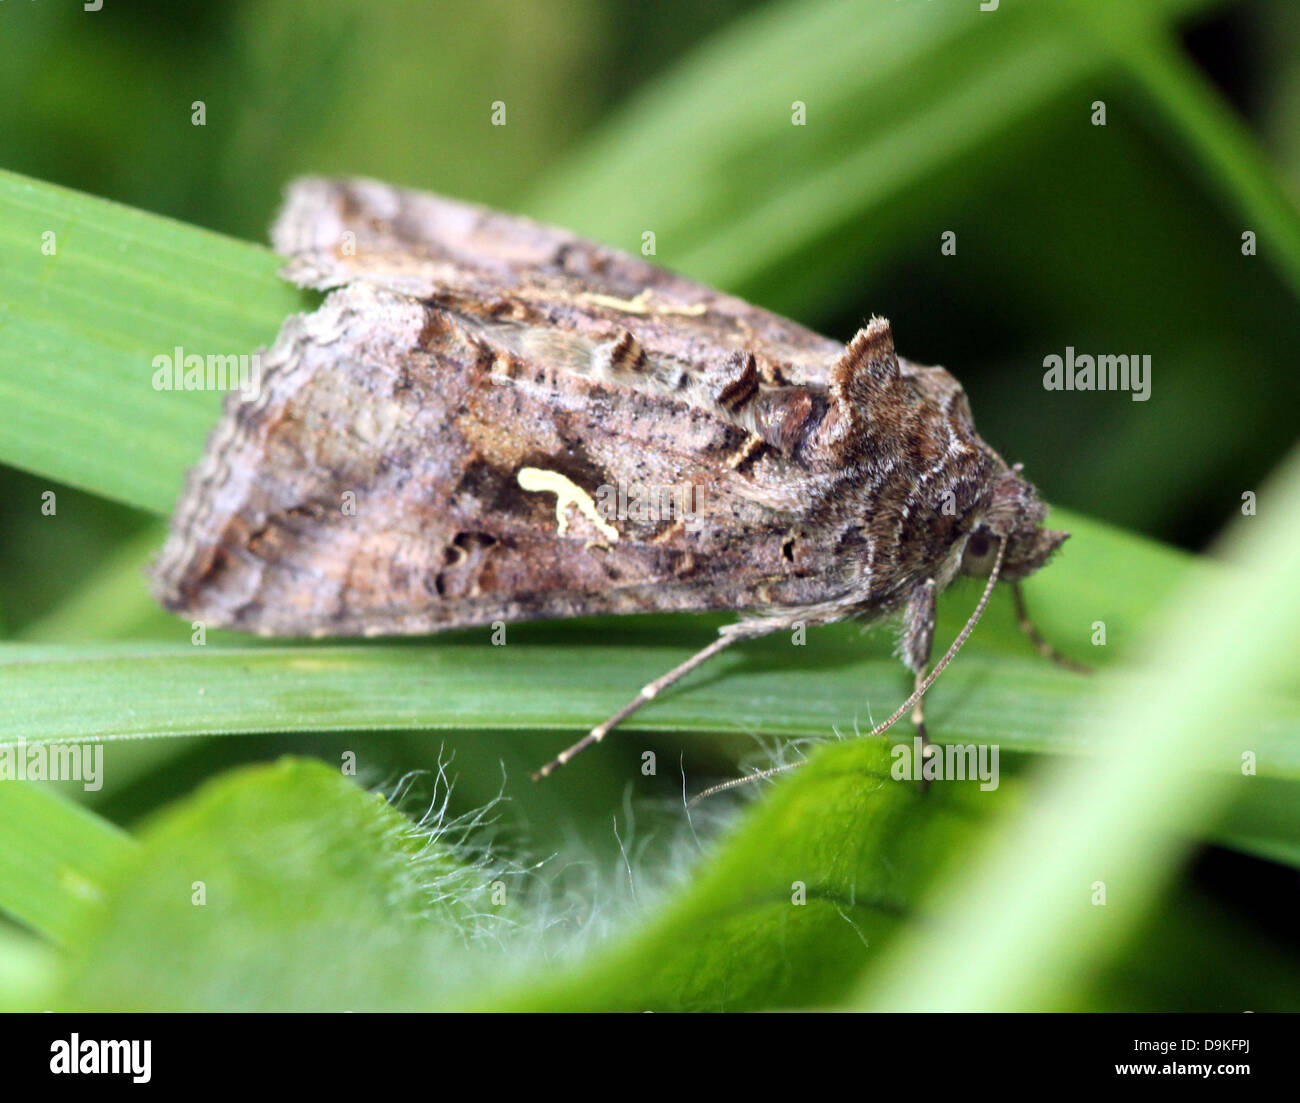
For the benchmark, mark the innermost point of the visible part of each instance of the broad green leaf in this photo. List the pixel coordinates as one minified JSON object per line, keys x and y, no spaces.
{"x":816,"y":883}
{"x":286,"y":887}
{"x":786,"y":913}
{"x":282,"y":887}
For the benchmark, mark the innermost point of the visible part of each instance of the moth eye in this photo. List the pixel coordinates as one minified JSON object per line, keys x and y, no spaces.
{"x":977,"y":547}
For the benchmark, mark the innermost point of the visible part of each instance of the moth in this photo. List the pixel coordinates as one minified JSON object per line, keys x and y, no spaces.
{"x":483,"y":391}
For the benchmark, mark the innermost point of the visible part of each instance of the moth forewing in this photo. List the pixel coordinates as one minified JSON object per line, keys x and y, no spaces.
{"x":493,"y":420}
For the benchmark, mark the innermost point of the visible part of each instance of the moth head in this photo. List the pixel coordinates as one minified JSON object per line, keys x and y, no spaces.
{"x":1015,"y":516}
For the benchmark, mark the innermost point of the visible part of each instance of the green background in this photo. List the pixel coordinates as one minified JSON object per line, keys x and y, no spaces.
{"x":922,"y":118}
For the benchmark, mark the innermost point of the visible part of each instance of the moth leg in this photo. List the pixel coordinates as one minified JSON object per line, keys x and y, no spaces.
{"x":918,"y":643}
{"x":1035,"y":637}
{"x":746,"y":630}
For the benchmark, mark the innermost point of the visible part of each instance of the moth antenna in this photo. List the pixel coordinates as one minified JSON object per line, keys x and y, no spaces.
{"x":917,"y":693}
{"x":1035,"y":637}
{"x":953,"y":648}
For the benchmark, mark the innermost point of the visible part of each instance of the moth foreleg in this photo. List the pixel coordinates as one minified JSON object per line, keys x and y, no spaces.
{"x":918,"y":642}
{"x":746,"y":630}
{"x":1035,"y":637}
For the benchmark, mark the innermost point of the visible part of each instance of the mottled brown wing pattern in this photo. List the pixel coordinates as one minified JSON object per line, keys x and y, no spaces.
{"x":374,"y":487}
{"x":439,"y":445}
{"x":341,"y":231}
{"x":489,"y":419}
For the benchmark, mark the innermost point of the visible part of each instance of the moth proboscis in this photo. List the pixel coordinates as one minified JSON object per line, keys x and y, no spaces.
{"x":487,"y":391}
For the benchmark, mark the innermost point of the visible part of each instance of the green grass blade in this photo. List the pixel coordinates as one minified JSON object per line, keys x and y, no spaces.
{"x":54,"y":857}
{"x":28,"y":968}
{"x":82,"y":327}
